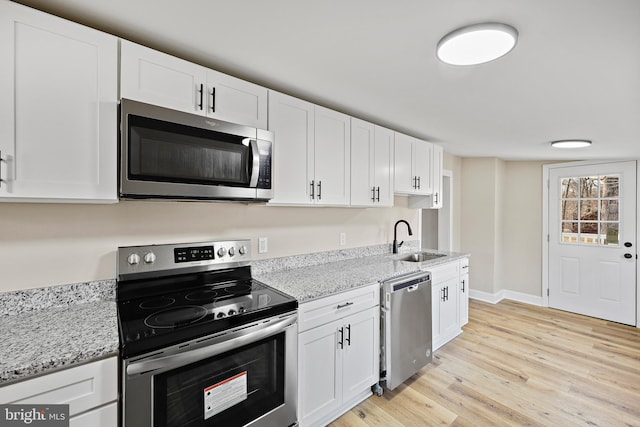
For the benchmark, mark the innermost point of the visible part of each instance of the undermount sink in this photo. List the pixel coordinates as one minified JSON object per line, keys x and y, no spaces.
{"x":421,"y":256}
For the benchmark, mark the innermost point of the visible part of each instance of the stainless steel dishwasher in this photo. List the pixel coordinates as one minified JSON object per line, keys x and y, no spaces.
{"x":405,"y":327}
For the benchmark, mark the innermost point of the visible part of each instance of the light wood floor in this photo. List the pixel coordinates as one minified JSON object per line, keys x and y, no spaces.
{"x":517,"y":364}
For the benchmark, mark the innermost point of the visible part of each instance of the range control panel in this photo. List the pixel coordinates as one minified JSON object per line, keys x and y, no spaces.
{"x":146,"y":260}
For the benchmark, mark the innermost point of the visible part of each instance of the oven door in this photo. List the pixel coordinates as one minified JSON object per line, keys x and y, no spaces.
{"x":245,"y":376}
{"x":171,"y":154}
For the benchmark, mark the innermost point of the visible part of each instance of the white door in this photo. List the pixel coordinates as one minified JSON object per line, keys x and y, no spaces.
{"x":361,"y":362}
{"x":592,"y":239}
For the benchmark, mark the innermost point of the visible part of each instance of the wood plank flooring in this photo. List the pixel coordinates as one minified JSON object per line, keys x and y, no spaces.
{"x":517,"y":364}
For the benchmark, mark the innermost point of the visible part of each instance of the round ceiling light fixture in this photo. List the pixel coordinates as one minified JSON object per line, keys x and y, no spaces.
{"x":477,"y":44}
{"x":571,"y":143}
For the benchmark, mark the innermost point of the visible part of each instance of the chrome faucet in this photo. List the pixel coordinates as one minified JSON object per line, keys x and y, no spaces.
{"x":395,"y":235}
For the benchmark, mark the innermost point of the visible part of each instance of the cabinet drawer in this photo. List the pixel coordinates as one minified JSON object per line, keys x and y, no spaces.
{"x":82,"y":387}
{"x":325,"y":310}
{"x":444,"y":272}
{"x":106,"y":416}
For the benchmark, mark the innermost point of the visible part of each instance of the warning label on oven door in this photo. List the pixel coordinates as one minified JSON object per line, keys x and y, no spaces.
{"x":225,"y":394}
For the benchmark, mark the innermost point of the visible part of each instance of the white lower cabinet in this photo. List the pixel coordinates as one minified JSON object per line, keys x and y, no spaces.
{"x":338,"y":354}
{"x":449,"y":300}
{"x":90,"y":390}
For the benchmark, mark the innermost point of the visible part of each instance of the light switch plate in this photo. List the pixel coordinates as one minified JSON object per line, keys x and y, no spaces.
{"x":263,"y":245}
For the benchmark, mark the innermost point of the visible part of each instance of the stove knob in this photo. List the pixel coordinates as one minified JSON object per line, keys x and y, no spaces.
{"x":242,"y":310}
{"x":220,"y":315}
{"x":232,"y":312}
{"x":242,"y":250}
{"x":232,"y":251}
{"x":222,"y":252}
{"x":150,"y":258}
{"x":133,"y":259}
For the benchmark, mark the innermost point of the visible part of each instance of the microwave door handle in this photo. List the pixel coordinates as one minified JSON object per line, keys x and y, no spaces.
{"x":255,"y":167}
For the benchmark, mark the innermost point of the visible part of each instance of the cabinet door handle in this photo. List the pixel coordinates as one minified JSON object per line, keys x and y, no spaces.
{"x":313,"y":189}
{"x":446,"y":293}
{"x":1,"y":160}
{"x":378,"y":196}
{"x":348,"y":335}
{"x":442,"y":296}
{"x":415,"y":182}
{"x":319,"y":190}
{"x":418,"y":183}
{"x":463,"y":285}
{"x":436,"y":198}
{"x":201,"y":90}
{"x":346,"y":304}
{"x":213,"y":99}
{"x":341,"y":342}
{"x":373,"y":194}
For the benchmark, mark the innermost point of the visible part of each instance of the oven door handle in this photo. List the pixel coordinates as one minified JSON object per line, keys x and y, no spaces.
{"x":255,"y":167}
{"x":182,"y":359}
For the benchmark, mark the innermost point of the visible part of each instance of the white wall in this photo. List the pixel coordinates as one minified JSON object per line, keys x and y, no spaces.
{"x":52,"y":244}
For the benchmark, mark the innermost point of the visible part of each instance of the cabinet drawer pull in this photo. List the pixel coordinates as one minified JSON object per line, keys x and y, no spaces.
{"x":201,"y":91}
{"x":213,"y":99}
{"x":346,"y":304}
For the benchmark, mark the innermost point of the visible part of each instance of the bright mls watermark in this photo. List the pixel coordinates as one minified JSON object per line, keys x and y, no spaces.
{"x":34,"y":415}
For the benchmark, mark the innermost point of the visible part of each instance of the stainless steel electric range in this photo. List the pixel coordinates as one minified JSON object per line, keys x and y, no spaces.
{"x":202,"y":342}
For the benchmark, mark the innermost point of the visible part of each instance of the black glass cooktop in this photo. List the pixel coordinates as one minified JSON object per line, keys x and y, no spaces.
{"x":154,"y":313}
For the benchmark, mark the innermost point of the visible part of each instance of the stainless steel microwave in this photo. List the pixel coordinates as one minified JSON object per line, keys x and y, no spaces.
{"x":168,"y":154}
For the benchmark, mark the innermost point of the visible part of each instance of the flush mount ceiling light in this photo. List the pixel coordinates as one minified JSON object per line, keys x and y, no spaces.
{"x":571,"y":143}
{"x":477,"y":44}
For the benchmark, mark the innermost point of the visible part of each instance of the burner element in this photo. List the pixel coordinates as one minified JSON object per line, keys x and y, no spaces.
{"x":204,"y":295}
{"x":238,"y":289}
{"x":159,"y":302}
{"x":175,"y":317}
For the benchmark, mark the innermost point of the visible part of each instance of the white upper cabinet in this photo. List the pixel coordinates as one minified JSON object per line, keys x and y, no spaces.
{"x":311,"y":152}
{"x":371,"y":164}
{"x":58,"y":110}
{"x":436,"y":176}
{"x":157,"y":78}
{"x":332,"y":157}
{"x":147,"y":75}
{"x":412,"y":165}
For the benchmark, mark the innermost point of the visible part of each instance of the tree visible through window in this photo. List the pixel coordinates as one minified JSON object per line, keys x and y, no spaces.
{"x":590,"y":210}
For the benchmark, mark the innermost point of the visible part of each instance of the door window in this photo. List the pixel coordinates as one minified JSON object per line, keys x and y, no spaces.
{"x":590,"y":210}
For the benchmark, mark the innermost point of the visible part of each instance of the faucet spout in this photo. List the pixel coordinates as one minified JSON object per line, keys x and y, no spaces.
{"x":395,"y":235}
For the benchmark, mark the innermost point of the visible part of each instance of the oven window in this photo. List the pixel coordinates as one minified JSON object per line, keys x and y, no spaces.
{"x":234,"y":388}
{"x":161,"y":151}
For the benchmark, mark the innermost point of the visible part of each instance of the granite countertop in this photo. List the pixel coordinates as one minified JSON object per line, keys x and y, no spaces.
{"x":45,"y":329}
{"x":318,"y":281}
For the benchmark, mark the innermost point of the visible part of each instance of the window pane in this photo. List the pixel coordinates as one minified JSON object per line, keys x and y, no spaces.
{"x":569,"y":188}
{"x":589,"y":210}
{"x":610,"y":186}
{"x":589,"y":233}
{"x":589,"y":187}
{"x":609,"y":210}
{"x":569,"y":210}
{"x":569,"y":232}
{"x":611,"y":233}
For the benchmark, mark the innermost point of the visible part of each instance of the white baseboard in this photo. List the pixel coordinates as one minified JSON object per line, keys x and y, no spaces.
{"x":505,"y":294}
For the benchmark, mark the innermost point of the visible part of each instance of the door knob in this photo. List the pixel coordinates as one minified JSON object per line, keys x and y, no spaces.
{"x":627,"y":256}
{"x":628,"y":244}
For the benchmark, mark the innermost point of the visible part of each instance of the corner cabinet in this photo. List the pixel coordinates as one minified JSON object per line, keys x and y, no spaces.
{"x":157,"y":78}
{"x":371,"y":165}
{"x":312,"y":153}
{"x":449,"y":300}
{"x":58,"y":110}
{"x":412,"y":165}
{"x":90,"y":390}
{"x":338,"y":353}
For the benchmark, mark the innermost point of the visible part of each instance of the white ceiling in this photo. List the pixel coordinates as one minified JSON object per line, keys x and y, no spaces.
{"x":575,"y":72}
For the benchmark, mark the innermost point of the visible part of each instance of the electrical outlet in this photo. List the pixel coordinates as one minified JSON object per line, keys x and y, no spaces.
{"x":343,"y":238}
{"x":263,"y":245}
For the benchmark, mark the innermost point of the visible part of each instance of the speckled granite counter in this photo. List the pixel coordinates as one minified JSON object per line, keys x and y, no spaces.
{"x":41,"y":334}
{"x":317,"y":281}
